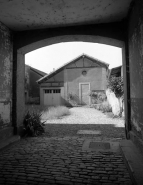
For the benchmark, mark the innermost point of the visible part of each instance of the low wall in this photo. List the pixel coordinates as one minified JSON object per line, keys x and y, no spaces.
{"x":116,"y":104}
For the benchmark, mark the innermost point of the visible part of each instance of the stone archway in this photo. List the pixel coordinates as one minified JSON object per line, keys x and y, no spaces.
{"x":20,"y":103}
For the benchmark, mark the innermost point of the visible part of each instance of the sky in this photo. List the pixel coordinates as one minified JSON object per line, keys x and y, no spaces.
{"x":51,"y":57}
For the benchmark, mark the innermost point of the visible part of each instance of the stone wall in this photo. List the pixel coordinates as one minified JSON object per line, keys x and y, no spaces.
{"x":136,"y":70}
{"x":6,"y":52}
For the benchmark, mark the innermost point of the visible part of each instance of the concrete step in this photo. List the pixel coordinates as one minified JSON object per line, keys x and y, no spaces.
{"x":8,"y":141}
{"x":134,"y":160}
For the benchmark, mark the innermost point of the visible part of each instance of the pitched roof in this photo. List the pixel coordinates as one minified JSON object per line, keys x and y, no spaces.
{"x":115,"y":71}
{"x":41,"y":73}
{"x":104,"y":64}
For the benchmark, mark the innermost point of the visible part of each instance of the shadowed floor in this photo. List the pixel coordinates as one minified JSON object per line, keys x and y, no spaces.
{"x":57,"y":157}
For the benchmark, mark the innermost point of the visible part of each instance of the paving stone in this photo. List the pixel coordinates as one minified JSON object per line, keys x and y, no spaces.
{"x":101,"y":172}
{"x":61,"y":179}
{"x":56,"y":160}
{"x":95,"y":177}
{"x":84,"y":176}
{"x":74,"y":174}
{"x":95,"y":132}
{"x":21,"y":180}
{"x":30,"y":178}
{"x":31,"y":182}
{"x":33,"y":175}
{"x":50,"y":181}
{"x":83,"y":172}
{"x":64,"y":182}
{"x":9,"y":182}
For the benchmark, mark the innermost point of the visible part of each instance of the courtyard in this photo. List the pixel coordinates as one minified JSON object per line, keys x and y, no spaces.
{"x":71,"y":151}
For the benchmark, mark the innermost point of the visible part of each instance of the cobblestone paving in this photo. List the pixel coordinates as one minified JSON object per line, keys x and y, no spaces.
{"x":60,"y":161}
{"x":57,"y":158}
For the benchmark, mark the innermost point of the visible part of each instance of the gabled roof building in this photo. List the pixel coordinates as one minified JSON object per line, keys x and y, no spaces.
{"x":74,"y":80}
{"x":32,"y":90}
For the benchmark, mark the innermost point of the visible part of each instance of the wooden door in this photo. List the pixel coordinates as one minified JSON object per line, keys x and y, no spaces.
{"x":85,"y":98}
{"x":48,"y":97}
{"x":52,"y":97}
{"x":56,"y":97}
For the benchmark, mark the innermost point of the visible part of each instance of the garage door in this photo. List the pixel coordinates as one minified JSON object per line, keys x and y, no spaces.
{"x":52,"y":97}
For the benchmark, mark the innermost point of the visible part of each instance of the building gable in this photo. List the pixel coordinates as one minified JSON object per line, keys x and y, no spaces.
{"x":58,"y":77}
{"x":38,"y":72}
{"x":83,"y":61}
{"x":80,"y":62}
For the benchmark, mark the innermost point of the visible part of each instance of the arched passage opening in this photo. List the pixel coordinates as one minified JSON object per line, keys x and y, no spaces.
{"x":20,"y":98}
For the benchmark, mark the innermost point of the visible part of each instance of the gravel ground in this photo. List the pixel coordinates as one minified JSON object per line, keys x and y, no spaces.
{"x":84,"y":118}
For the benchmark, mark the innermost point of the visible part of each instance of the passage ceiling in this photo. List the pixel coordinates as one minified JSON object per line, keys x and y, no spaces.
{"x":37,"y":14}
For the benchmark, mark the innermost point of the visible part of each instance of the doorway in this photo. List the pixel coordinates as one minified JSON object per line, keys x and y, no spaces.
{"x":84,"y":89}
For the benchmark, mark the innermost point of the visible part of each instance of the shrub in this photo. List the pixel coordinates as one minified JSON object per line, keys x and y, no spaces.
{"x":55,"y":112}
{"x":104,"y":107}
{"x":116,"y":85}
{"x":73,"y":99}
{"x":36,"y":108}
{"x":70,"y":96}
{"x":97,"y":97}
{"x":32,"y":124}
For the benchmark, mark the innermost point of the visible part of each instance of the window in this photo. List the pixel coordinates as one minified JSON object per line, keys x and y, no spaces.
{"x":49,"y":91}
{"x":84,"y":72}
{"x":57,"y":91}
